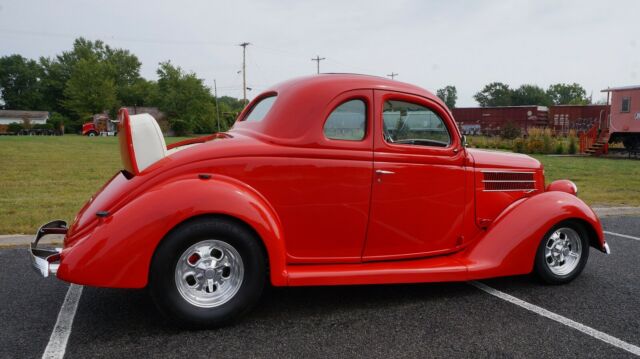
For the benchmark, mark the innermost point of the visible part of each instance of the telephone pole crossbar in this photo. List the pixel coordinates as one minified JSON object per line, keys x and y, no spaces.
{"x":317,"y":59}
{"x":393,"y":75}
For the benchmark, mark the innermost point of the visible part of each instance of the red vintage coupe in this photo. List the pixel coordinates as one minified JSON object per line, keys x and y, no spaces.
{"x":326,"y":180}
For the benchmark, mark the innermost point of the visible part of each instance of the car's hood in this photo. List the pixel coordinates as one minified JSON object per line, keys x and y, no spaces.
{"x":498,"y":159}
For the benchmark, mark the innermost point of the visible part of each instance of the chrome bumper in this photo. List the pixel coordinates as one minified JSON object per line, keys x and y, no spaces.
{"x":46,"y":260}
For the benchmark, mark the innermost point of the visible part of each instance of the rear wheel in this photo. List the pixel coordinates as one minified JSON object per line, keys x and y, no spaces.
{"x":207,"y":273}
{"x":92,"y":134}
{"x":562,"y":253}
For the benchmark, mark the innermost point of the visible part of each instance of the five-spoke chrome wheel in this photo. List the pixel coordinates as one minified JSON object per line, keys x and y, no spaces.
{"x":209,"y":273}
{"x":562,"y":251}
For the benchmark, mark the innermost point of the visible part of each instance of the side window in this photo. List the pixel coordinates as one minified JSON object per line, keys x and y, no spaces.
{"x":413,"y":124}
{"x":260,"y":110}
{"x":347,"y":121}
{"x":626,"y":104}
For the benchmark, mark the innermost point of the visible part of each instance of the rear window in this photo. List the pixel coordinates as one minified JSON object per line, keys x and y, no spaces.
{"x":260,"y":110}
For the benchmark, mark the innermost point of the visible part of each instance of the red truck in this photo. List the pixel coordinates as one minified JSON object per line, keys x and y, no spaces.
{"x":100,"y":125}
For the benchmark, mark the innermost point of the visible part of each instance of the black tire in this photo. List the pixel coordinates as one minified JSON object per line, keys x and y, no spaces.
{"x":542,"y":270}
{"x":92,"y":134}
{"x":162,"y":283}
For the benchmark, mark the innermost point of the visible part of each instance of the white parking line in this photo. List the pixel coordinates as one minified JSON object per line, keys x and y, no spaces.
{"x":622,"y":235}
{"x":559,"y":318}
{"x":58,"y":341}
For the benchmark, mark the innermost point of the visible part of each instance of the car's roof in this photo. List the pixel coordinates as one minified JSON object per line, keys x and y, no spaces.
{"x":344,"y":82}
{"x":300,"y":101}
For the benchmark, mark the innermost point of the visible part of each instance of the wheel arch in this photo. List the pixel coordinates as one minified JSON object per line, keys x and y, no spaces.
{"x":118,"y":253}
{"x":509,"y":245}
{"x":216,"y":216}
{"x":592,"y":233}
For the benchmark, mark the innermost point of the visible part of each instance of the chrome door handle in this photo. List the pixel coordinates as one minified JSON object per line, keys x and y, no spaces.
{"x":384,"y":172}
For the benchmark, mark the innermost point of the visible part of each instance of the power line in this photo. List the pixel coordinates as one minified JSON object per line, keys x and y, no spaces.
{"x":393,"y":75}
{"x":244,"y":71}
{"x":317,"y":59}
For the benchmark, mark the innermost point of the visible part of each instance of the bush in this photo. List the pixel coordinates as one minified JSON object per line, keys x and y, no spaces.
{"x":44,"y":126}
{"x":180,"y":127}
{"x":573,"y":146}
{"x":510,"y":131}
{"x":519,"y":146}
{"x":547,"y":145}
{"x":535,"y":145}
{"x":560,"y":148}
{"x":57,"y":121}
{"x":15,"y":127}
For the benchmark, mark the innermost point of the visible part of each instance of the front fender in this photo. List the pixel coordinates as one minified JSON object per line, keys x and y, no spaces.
{"x":118,"y":252}
{"x":509,"y":245}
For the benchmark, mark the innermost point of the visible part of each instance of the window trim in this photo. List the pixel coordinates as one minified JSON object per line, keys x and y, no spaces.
{"x":622,"y":110}
{"x":366,"y":119}
{"x":422,"y":104}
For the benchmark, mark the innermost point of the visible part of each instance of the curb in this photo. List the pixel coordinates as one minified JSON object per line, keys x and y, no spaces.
{"x":617,"y":211}
{"x":23,"y":241}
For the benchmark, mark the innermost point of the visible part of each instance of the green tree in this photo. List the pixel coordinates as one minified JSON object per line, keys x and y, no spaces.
{"x":494,"y":94}
{"x":568,"y":94}
{"x":125,"y":71}
{"x":185,"y":100}
{"x":59,"y":69}
{"x":530,"y":95}
{"x":230,"y":108}
{"x":90,"y":89}
{"x":449,"y":95}
{"x":140,"y":93}
{"x":122,"y":67}
{"x":20,"y":85}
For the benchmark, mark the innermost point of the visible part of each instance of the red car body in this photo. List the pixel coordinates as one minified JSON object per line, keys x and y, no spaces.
{"x":327,"y":211}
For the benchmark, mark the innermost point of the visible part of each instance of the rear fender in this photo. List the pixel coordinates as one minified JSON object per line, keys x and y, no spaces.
{"x":509,"y":245}
{"x":118,"y":252}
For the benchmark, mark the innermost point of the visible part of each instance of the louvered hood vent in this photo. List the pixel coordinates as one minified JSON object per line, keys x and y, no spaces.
{"x":508,"y":181}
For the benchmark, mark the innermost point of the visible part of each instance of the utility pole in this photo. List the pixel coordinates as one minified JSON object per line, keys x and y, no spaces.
{"x":244,"y":71}
{"x":393,"y":75}
{"x":317,"y":59}
{"x":215,"y":95}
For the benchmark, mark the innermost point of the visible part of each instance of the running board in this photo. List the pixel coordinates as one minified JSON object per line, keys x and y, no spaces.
{"x":434,"y":269}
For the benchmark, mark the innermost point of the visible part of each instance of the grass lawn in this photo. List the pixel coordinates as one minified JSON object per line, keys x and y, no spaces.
{"x":46,"y":178}
{"x":600,"y":181}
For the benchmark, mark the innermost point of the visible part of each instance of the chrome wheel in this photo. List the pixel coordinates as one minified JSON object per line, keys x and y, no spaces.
{"x":209,"y":273}
{"x":562,"y":251}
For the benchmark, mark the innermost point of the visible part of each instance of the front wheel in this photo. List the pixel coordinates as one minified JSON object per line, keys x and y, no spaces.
{"x":207,"y":273}
{"x":562,"y":253}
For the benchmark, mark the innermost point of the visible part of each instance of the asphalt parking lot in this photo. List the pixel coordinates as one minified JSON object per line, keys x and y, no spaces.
{"x":425,"y":320}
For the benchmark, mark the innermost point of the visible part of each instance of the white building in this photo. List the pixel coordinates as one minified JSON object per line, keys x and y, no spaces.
{"x":33,"y":117}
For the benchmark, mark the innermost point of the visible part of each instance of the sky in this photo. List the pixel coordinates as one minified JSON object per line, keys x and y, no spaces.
{"x":428,"y":43}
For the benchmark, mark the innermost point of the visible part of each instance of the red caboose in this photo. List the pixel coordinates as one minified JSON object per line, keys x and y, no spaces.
{"x":624,"y":122}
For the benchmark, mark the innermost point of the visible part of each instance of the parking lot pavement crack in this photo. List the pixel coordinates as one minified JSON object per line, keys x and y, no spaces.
{"x":559,"y":318}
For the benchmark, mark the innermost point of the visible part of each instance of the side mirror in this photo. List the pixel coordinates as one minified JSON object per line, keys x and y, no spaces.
{"x":464,"y":141}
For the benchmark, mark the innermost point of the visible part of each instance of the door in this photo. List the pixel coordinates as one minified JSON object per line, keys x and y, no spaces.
{"x":418,"y":191}
{"x":321,"y":189}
